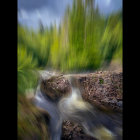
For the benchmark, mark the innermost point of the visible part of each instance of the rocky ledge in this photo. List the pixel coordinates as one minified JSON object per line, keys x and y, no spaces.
{"x":102,"y":89}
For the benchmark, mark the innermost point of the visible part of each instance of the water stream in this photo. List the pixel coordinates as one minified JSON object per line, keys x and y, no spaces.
{"x":75,"y":109}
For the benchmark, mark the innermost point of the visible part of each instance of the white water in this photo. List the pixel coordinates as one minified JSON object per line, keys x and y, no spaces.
{"x":75,"y":109}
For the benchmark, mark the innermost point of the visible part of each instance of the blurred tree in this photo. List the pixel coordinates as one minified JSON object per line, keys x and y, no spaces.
{"x":41,"y":27}
{"x":85,"y":40}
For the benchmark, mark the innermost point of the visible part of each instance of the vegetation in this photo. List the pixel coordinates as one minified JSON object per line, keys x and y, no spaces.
{"x":85,"y":40}
{"x":31,"y":124}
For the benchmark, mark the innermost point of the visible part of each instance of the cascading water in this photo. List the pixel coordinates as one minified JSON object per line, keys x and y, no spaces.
{"x":75,"y":109}
{"x":55,"y":118}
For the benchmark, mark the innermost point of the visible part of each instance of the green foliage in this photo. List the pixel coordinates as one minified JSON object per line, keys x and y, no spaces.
{"x":85,"y":40}
{"x":31,"y":124}
{"x":101,"y":81}
{"x":27,"y":77}
{"x":112,"y":39}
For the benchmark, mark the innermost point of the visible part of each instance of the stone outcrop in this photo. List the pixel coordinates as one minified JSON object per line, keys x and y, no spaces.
{"x":55,"y":87}
{"x":102,"y":89}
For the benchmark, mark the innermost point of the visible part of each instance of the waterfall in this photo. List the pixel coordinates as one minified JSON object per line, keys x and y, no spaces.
{"x":72,"y":107}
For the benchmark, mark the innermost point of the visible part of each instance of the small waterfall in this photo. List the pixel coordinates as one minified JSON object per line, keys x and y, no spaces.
{"x":55,"y":125}
{"x":75,"y":109}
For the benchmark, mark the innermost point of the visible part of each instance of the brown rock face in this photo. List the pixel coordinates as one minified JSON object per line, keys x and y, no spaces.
{"x":103,"y":89}
{"x":55,"y":87}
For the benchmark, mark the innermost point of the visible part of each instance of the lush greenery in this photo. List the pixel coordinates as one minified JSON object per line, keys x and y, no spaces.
{"x":85,"y":40}
{"x":31,"y":124}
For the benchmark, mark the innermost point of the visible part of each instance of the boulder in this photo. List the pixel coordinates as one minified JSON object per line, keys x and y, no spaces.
{"x":102,"y":89}
{"x":73,"y":131}
{"x":55,"y":87}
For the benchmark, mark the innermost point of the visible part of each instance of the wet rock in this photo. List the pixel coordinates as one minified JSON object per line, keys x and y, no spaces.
{"x":73,"y":131}
{"x":31,"y":122}
{"x":55,"y":87}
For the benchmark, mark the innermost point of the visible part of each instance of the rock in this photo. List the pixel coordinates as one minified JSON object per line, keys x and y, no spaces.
{"x":55,"y":87}
{"x":103,"y":89}
{"x":73,"y":131}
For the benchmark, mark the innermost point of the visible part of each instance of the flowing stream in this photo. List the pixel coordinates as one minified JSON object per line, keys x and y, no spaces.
{"x":75,"y":109}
